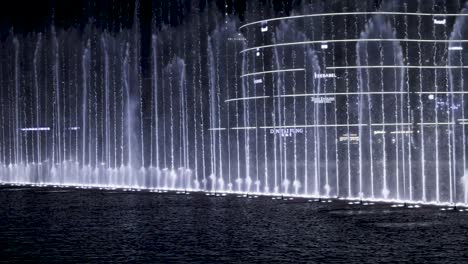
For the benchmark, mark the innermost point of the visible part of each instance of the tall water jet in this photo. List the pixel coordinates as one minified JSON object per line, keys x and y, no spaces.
{"x":351,"y":104}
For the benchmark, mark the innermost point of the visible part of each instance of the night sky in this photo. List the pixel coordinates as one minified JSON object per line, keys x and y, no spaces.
{"x":28,"y":16}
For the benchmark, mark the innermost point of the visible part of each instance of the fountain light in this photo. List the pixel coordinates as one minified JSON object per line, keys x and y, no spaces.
{"x":324,"y":75}
{"x":439,"y":21}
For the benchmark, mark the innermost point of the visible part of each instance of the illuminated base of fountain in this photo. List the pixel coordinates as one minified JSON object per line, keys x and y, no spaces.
{"x":352,"y":201}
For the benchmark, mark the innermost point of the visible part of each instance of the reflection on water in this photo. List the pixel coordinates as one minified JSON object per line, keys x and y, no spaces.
{"x":100,"y":226}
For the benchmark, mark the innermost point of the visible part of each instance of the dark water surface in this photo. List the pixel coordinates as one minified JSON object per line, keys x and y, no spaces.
{"x":62,"y":226}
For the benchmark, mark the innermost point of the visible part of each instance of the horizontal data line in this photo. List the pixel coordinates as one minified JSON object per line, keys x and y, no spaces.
{"x":418,"y":124}
{"x":275,"y":71}
{"x":333,"y":94}
{"x":439,"y":92}
{"x":396,"y":67}
{"x":402,"y":132}
{"x":306,"y":126}
{"x":392,"y":124}
{"x":347,"y":14}
{"x":436,"y":124}
{"x":346,"y":125}
{"x":246,"y":98}
{"x":346,"y":94}
{"x":216,"y":129}
{"x":243,"y":128}
{"x":353,"y":40}
{"x":35,"y":129}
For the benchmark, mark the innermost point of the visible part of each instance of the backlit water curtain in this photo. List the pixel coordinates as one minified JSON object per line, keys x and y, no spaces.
{"x":344,"y":100}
